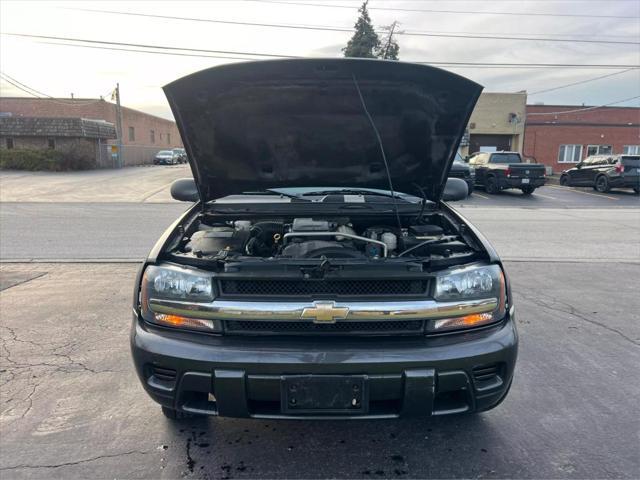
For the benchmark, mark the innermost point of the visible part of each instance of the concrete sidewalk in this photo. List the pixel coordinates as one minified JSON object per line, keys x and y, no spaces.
{"x":148,"y":184}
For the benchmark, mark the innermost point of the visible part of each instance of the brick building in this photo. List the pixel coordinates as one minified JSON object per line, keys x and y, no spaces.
{"x":560,"y":140}
{"x":78,"y":136}
{"x":143,"y":134}
{"x":497,"y":123}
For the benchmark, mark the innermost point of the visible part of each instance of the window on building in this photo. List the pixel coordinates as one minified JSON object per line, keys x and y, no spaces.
{"x":627,"y":149}
{"x":168,"y":139}
{"x":599,"y":150}
{"x":51,"y":142}
{"x":132,"y":134}
{"x":9,"y":143}
{"x":152,"y":135}
{"x":570,"y":153}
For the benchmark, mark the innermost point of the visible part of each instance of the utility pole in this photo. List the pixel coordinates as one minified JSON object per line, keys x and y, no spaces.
{"x":386,"y":48}
{"x":119,"y":124}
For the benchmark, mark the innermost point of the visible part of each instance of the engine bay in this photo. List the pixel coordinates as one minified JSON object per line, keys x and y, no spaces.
{"x":434,"y":238}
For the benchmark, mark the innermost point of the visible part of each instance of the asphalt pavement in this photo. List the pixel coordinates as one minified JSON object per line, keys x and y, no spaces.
{"x":72,"y":407}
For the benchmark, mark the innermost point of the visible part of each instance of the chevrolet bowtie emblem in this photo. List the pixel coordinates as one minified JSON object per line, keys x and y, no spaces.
{"x":325,"y":312}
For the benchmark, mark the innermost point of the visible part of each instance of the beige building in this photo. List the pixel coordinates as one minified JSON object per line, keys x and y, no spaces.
{"x":497,"y":123}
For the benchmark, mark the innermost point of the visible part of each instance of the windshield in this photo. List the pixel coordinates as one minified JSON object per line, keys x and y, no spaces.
{"x":164,"y":153}
{"x":505,"y":158}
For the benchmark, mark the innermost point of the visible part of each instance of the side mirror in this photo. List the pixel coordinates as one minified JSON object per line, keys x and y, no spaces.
{"x":185,"y":190}
{"x":455,"y":189}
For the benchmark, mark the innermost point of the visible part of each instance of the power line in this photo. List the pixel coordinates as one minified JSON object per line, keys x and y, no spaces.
{"x":139,"y":45}
{"x":171,"y":50}
{"x":133,"y":50}
{"x":417,"y":33}
{"x":441,"y":64}
{"x":585,"y":109}
{"x":32,"y":91}
{"x":18,"y":86}
{"x":329,"y":27}
{"x":581,"y":82}
{"x":476,"y":12}
{"x":544,"y":65}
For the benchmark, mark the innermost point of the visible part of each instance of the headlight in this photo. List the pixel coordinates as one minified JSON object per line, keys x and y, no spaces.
{"x":479,"y":292}
{"x":169,"y":297}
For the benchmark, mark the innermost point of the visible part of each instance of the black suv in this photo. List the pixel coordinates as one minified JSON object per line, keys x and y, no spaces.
{"x":320,"y":273}
{"x":604,"y":172}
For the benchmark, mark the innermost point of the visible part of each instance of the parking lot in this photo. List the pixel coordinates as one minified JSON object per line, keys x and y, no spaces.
{"x":71,"y":406}
{"x":555,"y":196}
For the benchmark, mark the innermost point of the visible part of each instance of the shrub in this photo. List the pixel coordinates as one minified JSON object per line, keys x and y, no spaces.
{"x":52,"y":160}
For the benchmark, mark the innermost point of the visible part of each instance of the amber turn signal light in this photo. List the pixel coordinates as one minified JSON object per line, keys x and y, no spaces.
{"x":179,"y":321}
{"x":468,"y":321}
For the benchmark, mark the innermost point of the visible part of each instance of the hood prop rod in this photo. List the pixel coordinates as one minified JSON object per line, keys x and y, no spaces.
{"x":384,"y":156}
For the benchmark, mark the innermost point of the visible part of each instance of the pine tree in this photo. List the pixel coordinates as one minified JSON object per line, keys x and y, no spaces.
{"x":365,"y":42}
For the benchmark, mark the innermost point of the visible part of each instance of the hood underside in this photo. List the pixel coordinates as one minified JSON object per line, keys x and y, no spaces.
{"x":301,"y":123}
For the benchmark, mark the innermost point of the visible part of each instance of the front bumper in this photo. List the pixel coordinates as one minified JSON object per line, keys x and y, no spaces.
{"x":242,"y":376}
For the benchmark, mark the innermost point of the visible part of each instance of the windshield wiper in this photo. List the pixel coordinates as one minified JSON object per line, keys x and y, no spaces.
{"x":277,"y":193}
{"x":352,"y":191}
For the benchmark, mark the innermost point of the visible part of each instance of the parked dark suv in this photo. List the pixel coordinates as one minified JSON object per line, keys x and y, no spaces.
{"x":604,"y":172}
{"x":320,"y":273}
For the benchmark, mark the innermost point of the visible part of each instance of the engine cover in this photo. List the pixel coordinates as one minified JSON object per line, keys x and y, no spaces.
{"x":320,"y":248}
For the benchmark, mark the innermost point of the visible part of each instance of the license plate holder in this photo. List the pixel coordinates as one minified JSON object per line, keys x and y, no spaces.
{"x":324,"y":394}
{"x":525,"y":181}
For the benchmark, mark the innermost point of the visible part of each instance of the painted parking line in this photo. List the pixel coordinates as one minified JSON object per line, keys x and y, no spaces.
{"x":544,"y":196}
{"x":584,"y":193}
{"x":478,"y":195}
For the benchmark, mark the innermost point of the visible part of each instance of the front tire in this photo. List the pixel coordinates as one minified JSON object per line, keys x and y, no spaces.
{"x":564,"y":181}
{"x":491,"y":186}
{"x":602,"y":184}
{"x":528,"y":190}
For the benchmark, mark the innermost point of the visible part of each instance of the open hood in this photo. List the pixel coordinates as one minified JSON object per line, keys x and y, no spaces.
{"x":300,"y":123}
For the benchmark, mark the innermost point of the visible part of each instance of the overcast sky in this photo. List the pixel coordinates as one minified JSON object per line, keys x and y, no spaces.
{"x":59,"y":70}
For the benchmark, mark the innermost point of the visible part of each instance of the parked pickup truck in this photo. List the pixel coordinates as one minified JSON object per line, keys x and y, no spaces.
{"x":497,"y":171}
